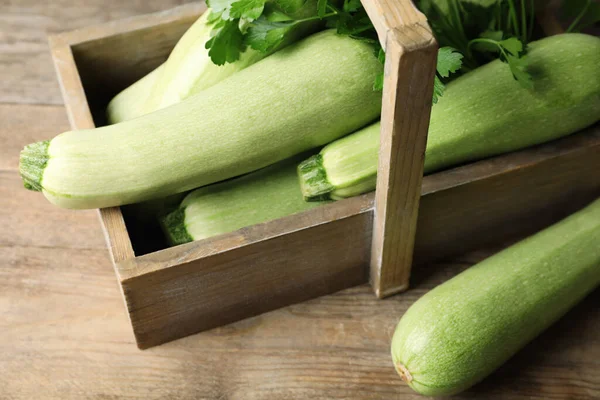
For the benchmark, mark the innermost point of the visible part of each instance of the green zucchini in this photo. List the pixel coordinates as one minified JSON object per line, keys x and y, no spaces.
{"x":130,"y":102}
{"x":189,"y":69}
{"x":464,"y":329}
{"x":258,"y":197}
{"x":483,"y":113}
{"x":304,"y":96}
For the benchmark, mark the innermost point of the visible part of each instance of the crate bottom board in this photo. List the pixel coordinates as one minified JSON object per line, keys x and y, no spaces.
{"x":187,"y":289}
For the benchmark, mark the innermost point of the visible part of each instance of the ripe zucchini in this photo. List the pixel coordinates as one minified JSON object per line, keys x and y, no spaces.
{"x":189,"y":69}
{"x":258,"y":197}
{"x":129,"y":103}
{"x":483,"y":113}
{"x":464,"y":329}
{"x":301,"y":97}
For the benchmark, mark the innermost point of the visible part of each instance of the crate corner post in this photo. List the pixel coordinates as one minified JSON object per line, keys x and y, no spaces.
{"x":411,"y":53}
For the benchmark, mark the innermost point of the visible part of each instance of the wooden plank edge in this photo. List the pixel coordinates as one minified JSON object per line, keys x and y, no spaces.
{"x":407,"y":99}
{"x":387,"y":15}
{"x":189,"y":11}
{"x":80,"y":117}
{"x":511,"y":162}
{"x":188,"y":252}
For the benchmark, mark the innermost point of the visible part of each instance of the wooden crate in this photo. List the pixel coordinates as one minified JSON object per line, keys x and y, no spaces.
{"x":185,"y":289}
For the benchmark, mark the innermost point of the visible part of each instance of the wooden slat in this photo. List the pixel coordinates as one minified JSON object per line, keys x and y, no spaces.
{"x":244,"y":281}
{"x":80,"y":117}
{"x":387,"y":15}
{"x":516,"y":194}
{"x":409,"y":71}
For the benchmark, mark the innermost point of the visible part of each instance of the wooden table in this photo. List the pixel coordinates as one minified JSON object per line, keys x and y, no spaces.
{"x":64,"y":332}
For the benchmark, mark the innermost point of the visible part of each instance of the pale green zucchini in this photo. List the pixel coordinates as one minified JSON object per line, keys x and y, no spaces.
{"x":189,"y":69}
{"x":258,"y":197}
{"x":301,"y":97}
{"x":483,"y":113}
{"x":129,"y":103}
{"x":464,"y":329}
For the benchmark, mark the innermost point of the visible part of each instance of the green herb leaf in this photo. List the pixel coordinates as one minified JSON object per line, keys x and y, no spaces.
{"x":214,"y":17}
{"x":378,"y":84}
{"x":264,"y":35}
{"x":518,"y":67}
{"x":227,"y":43}
{"x":438,"y":89}
{"x":380,"y":54}
{"x":321,"y":8}
{"x":352,"y":5}
{"x":512,"y":45}
{"x":293,"y":6}
{"x":449,"y":61}
{"x":220,"y":7}
{"x":247,"y":9}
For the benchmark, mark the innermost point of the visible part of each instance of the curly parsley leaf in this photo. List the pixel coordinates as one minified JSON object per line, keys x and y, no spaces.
{"x":351,"y":5}
{"x":518,"y":67}
{"x":512,"y":45}
{"x":510,"y":50}
{"x":438,"y":89}
{"x":227,"y":43}
{"x":321,"y":8}
{"x":247,"y":9}
{"x":264,"y":35}
{"x":378,"y":84}
{"x":449,"y":61}
{"x":220,"y":8}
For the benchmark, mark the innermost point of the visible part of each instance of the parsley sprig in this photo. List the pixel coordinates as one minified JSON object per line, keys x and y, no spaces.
{"x":265,"y":25}
{"x":483,"y":30}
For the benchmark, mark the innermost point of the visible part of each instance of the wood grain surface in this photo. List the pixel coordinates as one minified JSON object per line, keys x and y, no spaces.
{"x":411,"y":52}
{"x":64,"y":332}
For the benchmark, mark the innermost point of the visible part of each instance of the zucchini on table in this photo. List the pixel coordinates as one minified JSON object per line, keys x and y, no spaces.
{"x":464,"y":329}
{"x":304,"y":96}
{"x":483,"y":113}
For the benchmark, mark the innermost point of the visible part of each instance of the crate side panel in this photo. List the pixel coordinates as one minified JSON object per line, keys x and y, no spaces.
{"x":225,"y":287}
{"x":517,"y":203}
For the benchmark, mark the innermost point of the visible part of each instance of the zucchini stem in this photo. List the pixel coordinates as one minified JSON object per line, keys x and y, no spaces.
{"x":313,"y":179}
{"x":32,"y":162}
{"x":174,"y":227}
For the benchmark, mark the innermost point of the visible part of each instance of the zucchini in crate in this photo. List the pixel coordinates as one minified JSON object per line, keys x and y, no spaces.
{"x":189,"y":69}
{"x":304,"y":96}
{"x":483,"y":113}
{"x":464,"y":329}
{"x":258,"y":197}
{"x":129,"y":103}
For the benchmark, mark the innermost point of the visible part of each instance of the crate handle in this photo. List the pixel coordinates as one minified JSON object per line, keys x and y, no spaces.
{"x":411,"y":54}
